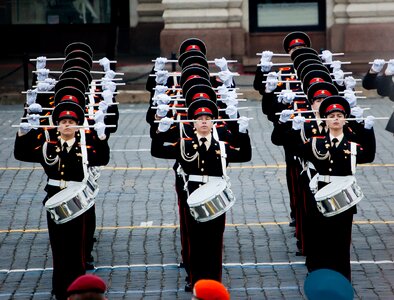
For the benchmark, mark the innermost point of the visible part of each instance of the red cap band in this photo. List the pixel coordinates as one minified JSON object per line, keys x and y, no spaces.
{"x":70,"y":97}
{"x":203,"y":109}
{"x":192,"y":47}
{"x":296,"y":41}
{"x":193,"y":76}
{"x":316,"y":79}
{"x":322,"y":92}
{"x":200,"y":95}
{"x":335,"y":106}
{"x":68,"y":114}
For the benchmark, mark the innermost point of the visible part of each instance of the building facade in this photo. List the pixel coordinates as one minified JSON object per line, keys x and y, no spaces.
{"x":236,"y":29}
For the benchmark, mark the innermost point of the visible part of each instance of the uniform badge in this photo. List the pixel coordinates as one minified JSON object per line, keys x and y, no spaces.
{"x":347,"y":151}
{"x":78,"y":154}
{"x":314,"y":130}
{"x":218,"y":152}
{"x":57,"y":149}
{"x":195,"y":146}
{"x":327,"y":146}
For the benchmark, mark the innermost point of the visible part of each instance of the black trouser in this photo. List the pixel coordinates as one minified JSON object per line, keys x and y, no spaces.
{"x":329,"y":240}
{"x":68,"y":242}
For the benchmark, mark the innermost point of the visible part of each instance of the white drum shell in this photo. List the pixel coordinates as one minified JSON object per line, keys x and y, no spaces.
{"x":211,"y":200}
{"x":69,"y":203}
{"x":338,"y":196}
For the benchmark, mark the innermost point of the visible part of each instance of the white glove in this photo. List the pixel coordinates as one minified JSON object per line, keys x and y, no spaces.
{"x":226,"y":77}
{"x":286,"y":97}
{"x":44,"y":87}
{"x":31,"y":96}
{"x":266,"y":66}
{"x":350,"y":96}
{"x":222,"y":91}
{"x":326,"y":56}
{"x":390,"y":68}
{"x":357,"y":112}
{"x":104,"y":62}
{"x":160,"y":89}
{"x":35,"y":108}
{"x":162,"y":110}
{"x":110,"y":74}
{"x":298,"y":122}
{"x":369,"y":122}
{"x":243,"y":124}
{"x":272,"y":82}
{"x":103,"y":106}
{"x":231,"y":111}
{"x":107,"y":96}
{"x":350,"y":82}
{"x":162,"y":99}
{"x":100,"y":129}
{"x":34,"y":120}
{"x":338,"y":76}
{"x":221,"y":63}
{"x":266,"y":56}
{"x":161,"y":77}
{"x":98,"y":116}
{"x":165,"y":124}
{"x":285,"y":115}
{"x":160,"y":63}
{"x":336,"y":65}
{"x":42,"y":74}
{"x":24,"y":128}
{"x":41,"y":62}
{"x":377,"y":65}
{"x":108,"y":85}
{"x":231,"y":101}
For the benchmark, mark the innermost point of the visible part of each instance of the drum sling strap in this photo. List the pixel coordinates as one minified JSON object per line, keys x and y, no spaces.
{"x":328,"y":179}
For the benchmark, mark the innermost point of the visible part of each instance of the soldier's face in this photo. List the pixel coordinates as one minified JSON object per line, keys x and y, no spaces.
{"x":66,"y":129}
{"x":335,"y":120}
{"x":316,"y":103}
{"x":203,"y":125}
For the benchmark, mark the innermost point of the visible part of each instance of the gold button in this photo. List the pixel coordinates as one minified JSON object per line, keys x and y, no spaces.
{"x":331,"y":161}
{"x":202,"y":169}
{"x":61,"y":173}
{"x":330,"y":169}
{"x":202,"y":161}
{"x":62,"y":166}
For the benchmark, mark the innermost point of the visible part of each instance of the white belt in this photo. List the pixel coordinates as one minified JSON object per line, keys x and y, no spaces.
{"x":203,"y":178}
{"x":328,"y":178}
{"x":60,"y":183}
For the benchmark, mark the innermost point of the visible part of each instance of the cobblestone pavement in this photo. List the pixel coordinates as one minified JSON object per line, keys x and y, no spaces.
{"x":138,"y":248}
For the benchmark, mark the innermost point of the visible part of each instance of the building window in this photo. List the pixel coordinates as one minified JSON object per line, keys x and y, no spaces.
{"x":25,"y":12}
{"x":273,"y":16}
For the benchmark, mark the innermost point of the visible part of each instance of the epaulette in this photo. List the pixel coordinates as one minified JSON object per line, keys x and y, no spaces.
{"x":187,"y":138}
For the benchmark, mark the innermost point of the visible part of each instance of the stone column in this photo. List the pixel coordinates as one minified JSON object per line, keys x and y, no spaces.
{"x":217,"y":22}
{"x":363,"y":30}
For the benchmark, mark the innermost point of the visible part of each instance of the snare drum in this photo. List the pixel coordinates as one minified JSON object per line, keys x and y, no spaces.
{"x":210,"y":200}
{"x":338,"y":196}
{"x":69,"y":203}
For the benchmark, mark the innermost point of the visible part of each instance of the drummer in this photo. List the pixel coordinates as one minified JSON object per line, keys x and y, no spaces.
{"x":200,"y":157}
{"x":60,"y":153}
{"x":334,"y":156}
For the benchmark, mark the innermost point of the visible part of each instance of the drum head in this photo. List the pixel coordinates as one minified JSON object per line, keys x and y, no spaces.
{"x":61,"y":196}
{"x":206,"y":192}
{"x":333,"y":188}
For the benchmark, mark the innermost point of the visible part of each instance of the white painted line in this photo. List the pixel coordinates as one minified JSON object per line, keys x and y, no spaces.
{"x":225,"y":265}
{"x":149,"y":223}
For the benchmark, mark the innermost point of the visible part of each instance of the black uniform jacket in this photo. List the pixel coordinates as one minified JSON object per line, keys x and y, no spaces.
{"x":29,"y":148}
{"x":208,"y":163}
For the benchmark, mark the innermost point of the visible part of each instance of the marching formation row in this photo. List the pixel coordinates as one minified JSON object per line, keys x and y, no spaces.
{"x":195,"y":120}
{"x":65,"y":127}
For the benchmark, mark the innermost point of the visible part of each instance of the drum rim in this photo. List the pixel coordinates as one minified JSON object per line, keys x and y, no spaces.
{"x":204,"y":187}
{"x":77,"y":187}
{"x":344,"y":183}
